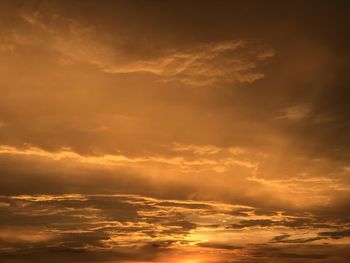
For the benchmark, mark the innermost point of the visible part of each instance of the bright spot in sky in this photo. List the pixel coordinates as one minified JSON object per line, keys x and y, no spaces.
{"x":190,"y":261}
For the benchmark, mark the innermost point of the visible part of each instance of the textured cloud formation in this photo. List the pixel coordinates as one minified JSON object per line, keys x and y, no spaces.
{"x":204,"y":64}
{"x":141,"y":228}
{"x":233,"y":175}
{"x":196,"y":64}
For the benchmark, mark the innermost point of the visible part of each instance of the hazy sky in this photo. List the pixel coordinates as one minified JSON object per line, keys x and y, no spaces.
{"x":174,"y":131}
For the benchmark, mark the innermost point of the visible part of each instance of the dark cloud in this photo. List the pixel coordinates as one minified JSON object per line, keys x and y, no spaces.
{"x":336,"y":234}
{"x":34,"y":227}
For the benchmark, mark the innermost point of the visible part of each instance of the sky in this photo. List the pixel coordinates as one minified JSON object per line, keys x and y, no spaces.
{"x":174,"y":131}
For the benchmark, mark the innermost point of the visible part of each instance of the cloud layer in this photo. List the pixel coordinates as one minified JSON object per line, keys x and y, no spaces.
{"x":134,"y":228}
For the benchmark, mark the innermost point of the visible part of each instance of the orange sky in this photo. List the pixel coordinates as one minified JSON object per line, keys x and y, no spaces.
{"x":174,"y":131}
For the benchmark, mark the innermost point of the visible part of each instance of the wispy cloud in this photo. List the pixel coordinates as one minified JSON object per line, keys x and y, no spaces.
{"x":109,"y":159}
{"x":204,"y":64}
{"x":197,"y":64}
{"x":296,"y":112}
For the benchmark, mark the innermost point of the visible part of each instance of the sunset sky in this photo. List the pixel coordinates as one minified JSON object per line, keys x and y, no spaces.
{"x":174,"y":131}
